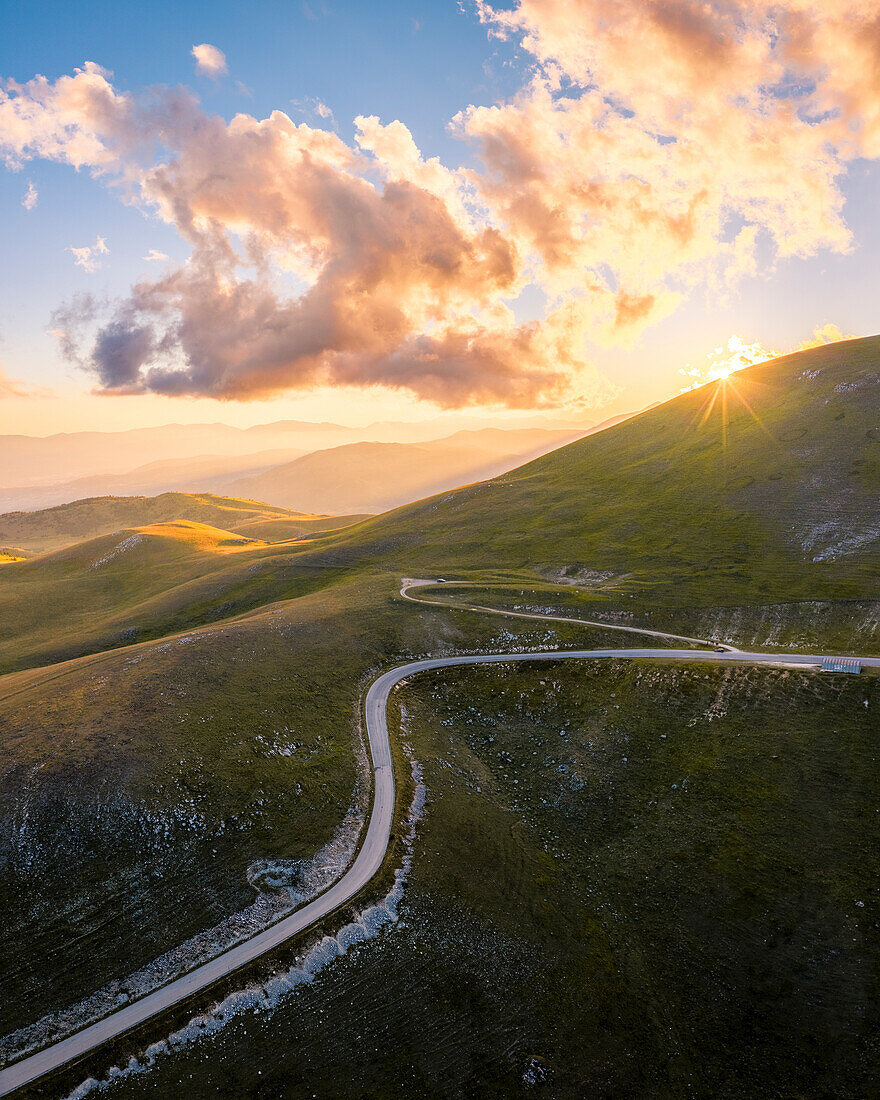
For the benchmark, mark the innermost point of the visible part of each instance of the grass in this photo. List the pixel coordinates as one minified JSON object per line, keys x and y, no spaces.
{"x":139,"y":785}
{"x":631,"y":880}
{"x":137,"y":584}
{"x":282,"y":530}
{"x":637,"y":899}
{"x":828,"y":626}
{"x":763,"y":489}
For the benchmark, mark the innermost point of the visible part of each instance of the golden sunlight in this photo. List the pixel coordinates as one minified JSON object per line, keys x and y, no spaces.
{"x":726,"y":360}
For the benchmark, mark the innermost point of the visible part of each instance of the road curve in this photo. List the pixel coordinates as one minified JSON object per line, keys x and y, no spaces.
{"x":366,"y":864}
{"x":409,"y":584}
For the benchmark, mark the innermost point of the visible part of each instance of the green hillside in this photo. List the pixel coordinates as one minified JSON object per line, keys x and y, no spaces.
{"x":586,"y":838}
{"x":122,"y":587}
{"x":137,"y":786}
{"x":142,"y":582}
{"x":766,"y":486}
{"x":294,"y":526}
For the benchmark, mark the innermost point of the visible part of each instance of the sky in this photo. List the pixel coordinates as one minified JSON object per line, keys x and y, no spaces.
{"x":359,"y":212}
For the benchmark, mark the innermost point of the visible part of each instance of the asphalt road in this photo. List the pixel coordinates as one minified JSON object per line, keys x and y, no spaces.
{"x":409,"y":584}
{"x":369,"y":857}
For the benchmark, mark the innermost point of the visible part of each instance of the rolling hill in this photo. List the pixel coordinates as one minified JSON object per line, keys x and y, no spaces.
{"x":53,"y":528}
{"x":111,"y":588}
{"x":764,"y":489}
{"x":764,"y":486}
{"x":373,"y":477}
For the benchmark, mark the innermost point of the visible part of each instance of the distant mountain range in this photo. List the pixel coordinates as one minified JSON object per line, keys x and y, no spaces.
{"x":27,"y":462}
{"x":362,"y":476}
{"x":204,"y":473}
{"x":373,"y":477}
{"x":73,"y":463}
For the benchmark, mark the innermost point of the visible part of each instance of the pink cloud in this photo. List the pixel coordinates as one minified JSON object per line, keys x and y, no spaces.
{"x":209,"y":60}
{"x":650,"y":130}
{"x":391,"y":285}
{"x":14,"y":387}
{"x":87,"y":256}
{"x":653,"y":148}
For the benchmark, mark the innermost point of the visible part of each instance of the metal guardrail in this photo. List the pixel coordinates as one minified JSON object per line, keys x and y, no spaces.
{"x":841,"y":664}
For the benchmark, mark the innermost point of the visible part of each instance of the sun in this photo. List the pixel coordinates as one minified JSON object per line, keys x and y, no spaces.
{"x":726,"y":360}
{"x":728,"y":391}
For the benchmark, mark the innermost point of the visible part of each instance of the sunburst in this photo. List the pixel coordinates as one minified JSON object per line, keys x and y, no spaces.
{"x":723,"y":392}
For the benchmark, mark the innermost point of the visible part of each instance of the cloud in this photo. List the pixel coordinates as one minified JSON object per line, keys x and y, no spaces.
{"x":384,"y":266}
{"x":725,"y":360}
{"x":11,"y":387}
{"x":825,"y":334}
{"x":678,"y":64}
{"x":209,"y":60}
{"x":31,"y":197}
{"x":738,"y":353}
{"x":658,"y":143}
{"x":155,"y":254}
{"x":14,"y":387}
{"x":67,"y":324}
{"x":313,"y":106}
{"x":303,"y":271}
{"x":656,"y":146}
{"x":87,"y":256}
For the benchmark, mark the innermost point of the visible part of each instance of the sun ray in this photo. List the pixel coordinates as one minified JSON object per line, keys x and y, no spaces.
{"x":708,"y":411}
{"x":745,"y":403}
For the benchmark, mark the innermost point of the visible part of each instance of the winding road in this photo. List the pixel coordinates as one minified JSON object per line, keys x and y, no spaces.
{"x":372,"y":852}
{"x":409,"y":584}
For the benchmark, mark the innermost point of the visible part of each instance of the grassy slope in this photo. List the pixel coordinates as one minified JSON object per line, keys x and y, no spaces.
{"x":816,"y":469}
{"x":137,"y":786}
{"x":282,"y":530}
{"x":118,"y":588}
{"x":144,"y":582}
{"x":780,"y":502}
{"x":636,"y":881}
